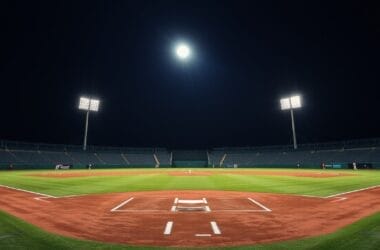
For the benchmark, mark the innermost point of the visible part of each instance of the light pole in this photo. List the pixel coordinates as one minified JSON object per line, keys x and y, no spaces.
{"x":291,"y":103}
{"x":88,"y":105}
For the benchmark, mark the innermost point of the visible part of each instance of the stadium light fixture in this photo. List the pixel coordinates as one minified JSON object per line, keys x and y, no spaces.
{"x":88,"y":105}
{"x":291,"y":103}
{"x":182,"y":51}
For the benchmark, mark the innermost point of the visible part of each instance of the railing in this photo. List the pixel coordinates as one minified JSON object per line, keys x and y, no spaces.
{"x":362,"y":143}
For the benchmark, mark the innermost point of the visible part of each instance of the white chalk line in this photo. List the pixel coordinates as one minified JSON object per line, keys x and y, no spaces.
{"x":339,"y":199}
{"x":241,"y":211}
{"x":42,"y":199}
{"x":260,"y":205}
{"x":41,"y":196}
{"x":158,"y":211}
{"x":353,"y":191}
{"x":215,"y":228}
{"x":203,"y":235}
{"x":339,"y":196}
{"x":121,"y":204}
{"x":168,"y":228}
{"x":27,"y":191}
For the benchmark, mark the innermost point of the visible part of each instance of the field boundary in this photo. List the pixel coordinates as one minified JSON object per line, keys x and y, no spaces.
{"x":28,"y":191}
{"x":190,"y":227}
{"x":337,"y":195}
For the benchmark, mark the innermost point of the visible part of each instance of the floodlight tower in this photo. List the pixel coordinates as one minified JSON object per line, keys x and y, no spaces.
{"x":290,"y":103}
{"x":183,"y":51}
{"x":88,"y":105}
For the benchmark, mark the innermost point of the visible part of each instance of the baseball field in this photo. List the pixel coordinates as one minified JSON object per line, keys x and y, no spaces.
{"x":187,"y":208}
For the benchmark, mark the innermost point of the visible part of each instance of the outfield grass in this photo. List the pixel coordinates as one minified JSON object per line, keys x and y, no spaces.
{"x":16,"y":234}
{"x":218,"y":181}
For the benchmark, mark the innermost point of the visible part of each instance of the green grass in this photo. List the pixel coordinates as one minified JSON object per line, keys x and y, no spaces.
{"x":16,"y":234}
{"x":218,"y":181}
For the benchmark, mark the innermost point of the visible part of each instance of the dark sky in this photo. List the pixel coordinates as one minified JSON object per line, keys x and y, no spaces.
{"x":248,"y":54}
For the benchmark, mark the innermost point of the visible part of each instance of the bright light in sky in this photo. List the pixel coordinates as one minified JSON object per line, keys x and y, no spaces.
{"x":182,"y":51}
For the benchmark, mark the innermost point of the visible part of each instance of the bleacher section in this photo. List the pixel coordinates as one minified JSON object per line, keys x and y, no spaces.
{"x":336,"y":155}
{"x":33,"y":156}
{"x":339,"y":158}
{"x":58,"y":158}
{"x":190,"y":158}
{"x":140,"y":159}
{"x":113,"y":159}
{"x":164,"y":157}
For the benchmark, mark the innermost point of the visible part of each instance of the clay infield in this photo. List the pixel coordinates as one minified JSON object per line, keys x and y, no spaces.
{"x":190,"y":218}
{"x":71,"y":174}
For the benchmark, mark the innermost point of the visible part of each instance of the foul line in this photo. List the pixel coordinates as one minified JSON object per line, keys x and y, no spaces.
{"x":340,"y":196}
{"x":121,"y":204}
{"x":27,"y":191}
{"x":353,"y":191}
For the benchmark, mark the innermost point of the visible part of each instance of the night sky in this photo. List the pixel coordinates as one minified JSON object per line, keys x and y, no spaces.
{"x":247,"y":55}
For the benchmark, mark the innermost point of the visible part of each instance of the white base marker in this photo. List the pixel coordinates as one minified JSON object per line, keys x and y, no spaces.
{"x":168,"y":228}
{"x":121,"y":204}
{"x":173,"y":209}
{"x":175,"y":200}
{"x":207,"y":208}
{"x":260,"y":205}
{"x":215,"y":227}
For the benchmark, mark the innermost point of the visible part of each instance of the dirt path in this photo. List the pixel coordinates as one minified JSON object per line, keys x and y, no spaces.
{"x":142,"y":218}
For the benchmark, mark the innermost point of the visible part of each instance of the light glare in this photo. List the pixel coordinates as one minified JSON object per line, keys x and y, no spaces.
{"x":182,"y":51}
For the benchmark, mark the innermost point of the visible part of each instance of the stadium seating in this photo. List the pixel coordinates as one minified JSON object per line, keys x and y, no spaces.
{"x":140,"y":159}
{"x":164,"y":157}
{"x":59,"y":158}
{"x":339,"y":155}
{"x":190,"y":158}
{"x":112,"y":158}
{"x":7,"y":158}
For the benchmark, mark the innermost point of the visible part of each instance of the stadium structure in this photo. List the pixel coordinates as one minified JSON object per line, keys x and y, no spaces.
{"x":336,"y":155}
{"x":238,"y":197}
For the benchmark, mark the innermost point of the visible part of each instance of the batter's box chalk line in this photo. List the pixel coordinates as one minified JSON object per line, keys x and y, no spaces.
{"x":187,"y":205}
{"x":214,"y":227}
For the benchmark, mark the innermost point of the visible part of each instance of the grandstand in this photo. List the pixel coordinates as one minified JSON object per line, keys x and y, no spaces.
{"x":334,"y":155}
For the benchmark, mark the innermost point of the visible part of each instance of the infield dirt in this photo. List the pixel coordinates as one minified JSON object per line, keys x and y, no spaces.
{"x":142,"y":220}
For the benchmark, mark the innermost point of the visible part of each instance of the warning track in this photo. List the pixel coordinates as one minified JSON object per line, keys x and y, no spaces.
{"x":199,"y":218}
